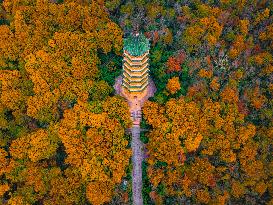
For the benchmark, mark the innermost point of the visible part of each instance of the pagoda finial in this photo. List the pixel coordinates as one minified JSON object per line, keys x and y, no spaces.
{"x":135,"y":30}
{"x":135,"y":33}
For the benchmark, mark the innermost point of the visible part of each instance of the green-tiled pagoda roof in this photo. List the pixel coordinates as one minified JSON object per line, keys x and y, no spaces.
{"x":136,"y":45}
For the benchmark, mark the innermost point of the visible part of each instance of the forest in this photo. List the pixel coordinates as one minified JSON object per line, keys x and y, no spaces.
{"x":208,"y":129}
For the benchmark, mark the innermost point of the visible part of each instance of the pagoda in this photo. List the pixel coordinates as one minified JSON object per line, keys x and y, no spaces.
{"x":135,"y":77}
{"x":134,"y":84}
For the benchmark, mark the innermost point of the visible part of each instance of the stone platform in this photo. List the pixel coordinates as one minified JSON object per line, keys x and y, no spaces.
{"x":135,"y":100}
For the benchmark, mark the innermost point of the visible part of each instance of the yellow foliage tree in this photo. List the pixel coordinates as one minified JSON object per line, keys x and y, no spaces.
{"x":96,"y":146}
{"x":203,"y":129}
{"x":36,"y":146}
{"x":173,"y":85}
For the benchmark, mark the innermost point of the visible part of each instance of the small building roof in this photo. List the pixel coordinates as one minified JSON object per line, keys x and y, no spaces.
{"x":136,"y":45}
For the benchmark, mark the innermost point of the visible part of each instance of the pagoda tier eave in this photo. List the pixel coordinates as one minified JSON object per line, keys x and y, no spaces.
{"x":126,"y":53}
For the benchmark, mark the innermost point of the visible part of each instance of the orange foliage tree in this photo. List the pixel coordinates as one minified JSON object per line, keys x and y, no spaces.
{"x":203,"y":129}
{"x":95,"y":145}
{"x":49,"y":57}
{"x":60,"y":62}
{"x":173,"y":85}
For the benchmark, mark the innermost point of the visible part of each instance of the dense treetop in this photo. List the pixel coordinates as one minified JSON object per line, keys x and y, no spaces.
{"x":62,"y":136}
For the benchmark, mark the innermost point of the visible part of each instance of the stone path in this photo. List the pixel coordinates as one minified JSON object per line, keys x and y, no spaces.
{"x":137,"y":151}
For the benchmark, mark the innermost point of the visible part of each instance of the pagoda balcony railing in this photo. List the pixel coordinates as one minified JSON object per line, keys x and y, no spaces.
{"x":138,"y":58}
{"x":135,"y":73}
{"x":127,"y":60}
{"x":140,"y":82}
{"x":136,"y":88}
{"x":136,"y":84}
{"x":135,"y":78}
{"x":135,"y":68}
{"x":135,"y":63}
{"x":136,"y":91}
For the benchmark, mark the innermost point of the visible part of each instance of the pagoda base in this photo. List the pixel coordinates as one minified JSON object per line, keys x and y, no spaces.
{"x":135,"y":98}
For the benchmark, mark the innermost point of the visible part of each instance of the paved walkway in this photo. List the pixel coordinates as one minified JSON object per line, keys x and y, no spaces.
{"x":137,"y":151}
{"x":137,"y":158}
